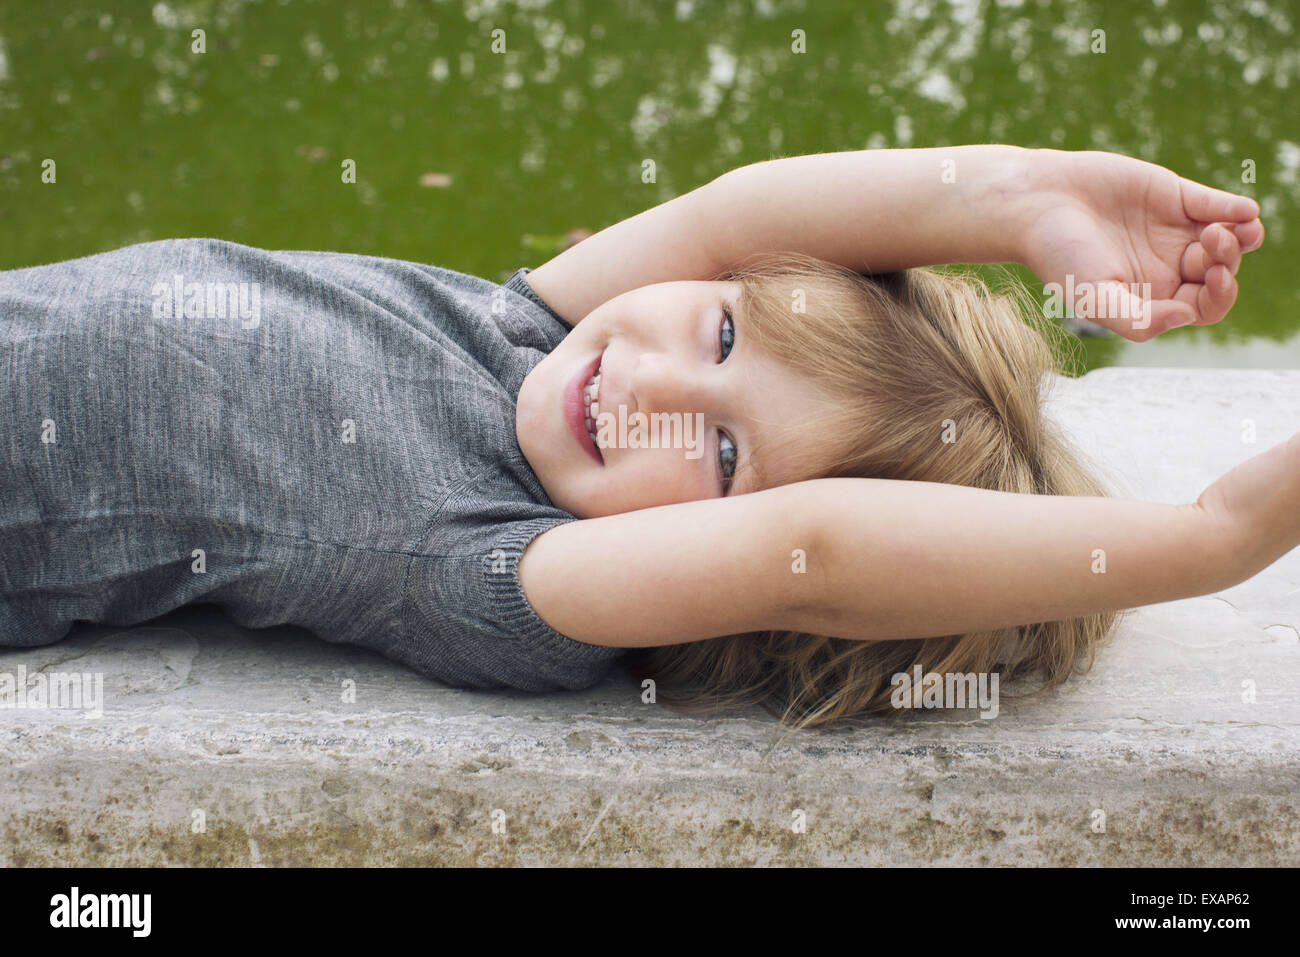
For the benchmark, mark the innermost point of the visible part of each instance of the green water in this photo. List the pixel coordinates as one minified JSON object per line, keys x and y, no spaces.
{"x":482,"y":161}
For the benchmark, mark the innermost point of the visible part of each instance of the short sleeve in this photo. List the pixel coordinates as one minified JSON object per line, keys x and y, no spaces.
{"x":517,"y":283}
{"x":469,"y":622}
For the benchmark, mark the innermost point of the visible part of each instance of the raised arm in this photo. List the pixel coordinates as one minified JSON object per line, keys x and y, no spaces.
{"x":1142,"y":249}
{"x":886,"y":559}
{"x":871,"y":210}
{"x":1097,"y":218}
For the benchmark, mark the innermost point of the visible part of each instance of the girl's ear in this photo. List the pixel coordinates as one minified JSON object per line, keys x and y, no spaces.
{"x":676,"y":573}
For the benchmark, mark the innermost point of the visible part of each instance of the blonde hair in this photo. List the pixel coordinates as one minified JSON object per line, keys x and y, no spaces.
{"x":909,"y":356}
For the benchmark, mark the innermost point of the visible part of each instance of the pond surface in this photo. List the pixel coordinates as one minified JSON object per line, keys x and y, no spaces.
{"x":483,"y":161}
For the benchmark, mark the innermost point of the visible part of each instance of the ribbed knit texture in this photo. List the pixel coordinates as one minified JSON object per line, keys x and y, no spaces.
{"x":341,"y":455}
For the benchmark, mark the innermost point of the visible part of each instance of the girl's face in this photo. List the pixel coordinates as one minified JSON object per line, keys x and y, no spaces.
{"x":682,"y":399}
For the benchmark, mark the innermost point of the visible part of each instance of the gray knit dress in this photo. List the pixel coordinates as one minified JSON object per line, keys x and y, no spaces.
{"x":309,"y":438}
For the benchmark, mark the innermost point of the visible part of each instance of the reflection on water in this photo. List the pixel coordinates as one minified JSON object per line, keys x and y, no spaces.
{"x":485,"y":133}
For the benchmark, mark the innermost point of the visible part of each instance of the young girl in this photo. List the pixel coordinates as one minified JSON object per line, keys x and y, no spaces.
{"x":854,"y":476}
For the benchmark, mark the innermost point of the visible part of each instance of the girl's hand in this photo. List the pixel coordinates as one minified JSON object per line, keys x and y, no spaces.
{"x":1257,"y":507}
{"x":1105,"y":226}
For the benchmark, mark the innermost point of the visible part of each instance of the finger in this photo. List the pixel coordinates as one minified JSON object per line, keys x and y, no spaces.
{"x":1207,"y":205}
{"x":1217,"y":244}
{"x":1196,"y":261}
{"x":1216,"y":296}
{"x":1221,"y":246}
{"x":1250,"y":235}
{"x":1156,"y":316}
{"x":1169,"y":314}
{"x":1120,"y":309}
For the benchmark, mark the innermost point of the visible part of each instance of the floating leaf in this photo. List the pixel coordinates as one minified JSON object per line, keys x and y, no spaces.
{"x":575,"y":236}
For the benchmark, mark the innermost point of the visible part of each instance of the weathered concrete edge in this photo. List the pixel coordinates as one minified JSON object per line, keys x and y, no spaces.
{"x":912,"y":806}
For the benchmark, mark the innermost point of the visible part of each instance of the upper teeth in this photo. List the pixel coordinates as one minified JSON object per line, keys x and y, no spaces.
{"x":590,"y":392}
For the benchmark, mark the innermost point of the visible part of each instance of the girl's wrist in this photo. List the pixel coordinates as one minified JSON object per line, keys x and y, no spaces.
{"x":1027,"y":183}
{"x":1004,"y":199}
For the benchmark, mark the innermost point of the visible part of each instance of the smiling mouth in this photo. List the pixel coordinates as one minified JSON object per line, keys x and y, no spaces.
{"x":591,"y":403}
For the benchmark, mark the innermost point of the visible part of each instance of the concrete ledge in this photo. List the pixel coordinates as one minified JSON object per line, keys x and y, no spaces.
{"x":251,"y":729}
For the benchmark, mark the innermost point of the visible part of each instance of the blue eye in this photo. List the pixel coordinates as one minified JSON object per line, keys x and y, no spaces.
{"x":726,"y":459}
{"x":726,"y":334}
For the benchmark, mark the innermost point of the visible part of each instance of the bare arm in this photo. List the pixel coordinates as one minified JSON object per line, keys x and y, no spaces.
{"x":887,"y":559}
{"x":1130,"y":244}
{"x":970,"y":559}
{"x":871,"y":210}
{"x":879,"y":210}
{"x":1089,"y":221}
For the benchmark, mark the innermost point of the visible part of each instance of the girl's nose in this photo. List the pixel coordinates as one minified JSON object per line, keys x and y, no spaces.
{"x":661,"y":384}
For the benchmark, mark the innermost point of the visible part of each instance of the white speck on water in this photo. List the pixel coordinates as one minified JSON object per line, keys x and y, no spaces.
{"x":164,"y":15}
{"x":1288,"y":161}
{"x":937,"y":86}
{"x":903,"y":129}
{"x":722,"y":64}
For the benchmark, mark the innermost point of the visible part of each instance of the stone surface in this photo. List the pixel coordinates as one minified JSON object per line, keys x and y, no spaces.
{"x":249,"y":733}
